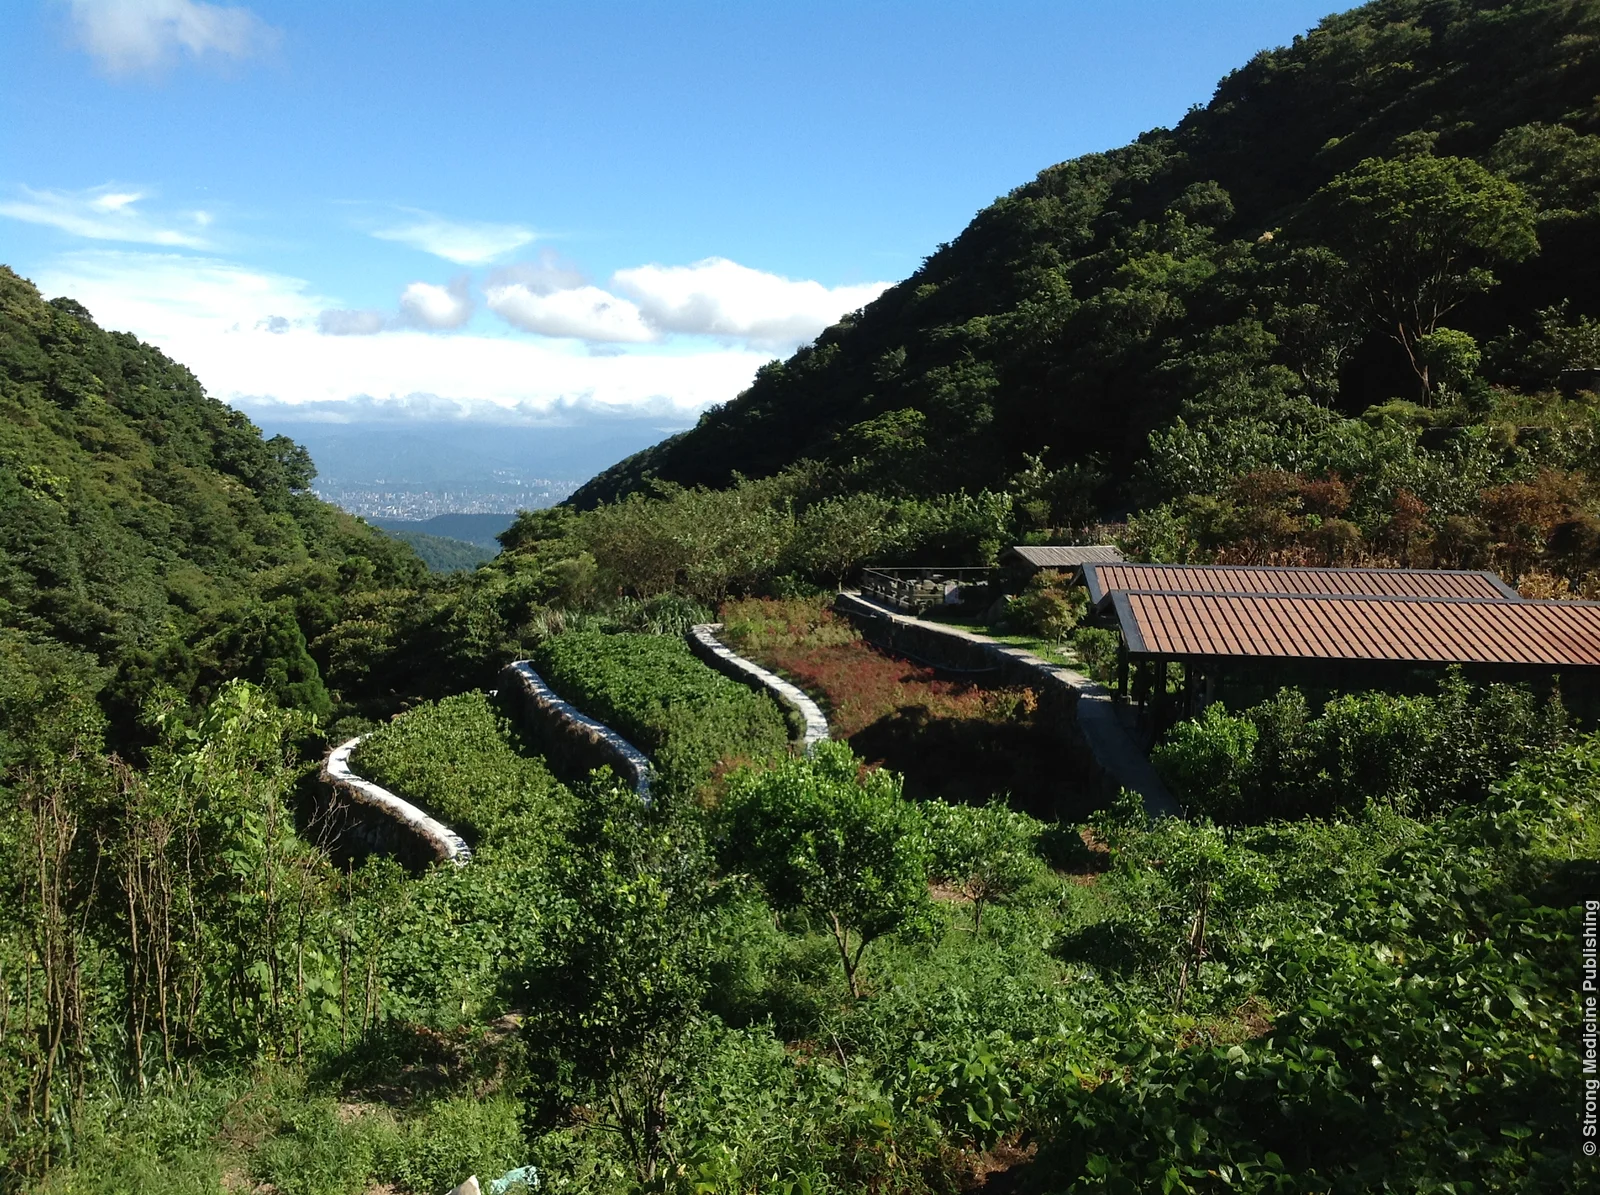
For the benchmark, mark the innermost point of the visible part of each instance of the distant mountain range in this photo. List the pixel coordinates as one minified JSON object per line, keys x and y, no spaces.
{"x":478,"y":529}
{"x":416,"y":470}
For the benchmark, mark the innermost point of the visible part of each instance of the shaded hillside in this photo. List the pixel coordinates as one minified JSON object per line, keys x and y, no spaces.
{"x":482,"y":530}
{"x":441,"y":553}
{"x":1199,"y":265}
{"x":151,"y":530}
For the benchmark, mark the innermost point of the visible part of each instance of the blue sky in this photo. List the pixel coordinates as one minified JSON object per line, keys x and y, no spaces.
{"x":545,"y":210}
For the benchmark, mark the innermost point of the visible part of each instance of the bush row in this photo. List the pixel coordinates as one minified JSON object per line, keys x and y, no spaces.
{"x":655,"y":693}
{"x":457,"y":759}
{"x":1420,"y":753}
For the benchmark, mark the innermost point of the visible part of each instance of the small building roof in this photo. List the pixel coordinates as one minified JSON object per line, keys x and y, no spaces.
{"x":1105,"y":579}
{"x":1064,"y":555}
{"x":1416,"y":630}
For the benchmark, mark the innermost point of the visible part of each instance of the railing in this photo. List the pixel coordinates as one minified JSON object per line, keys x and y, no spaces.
{"x":918,"y":589}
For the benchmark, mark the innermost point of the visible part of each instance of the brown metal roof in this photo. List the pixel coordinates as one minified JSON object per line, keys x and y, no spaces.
{"x":1420,"y":630}
{"x":1065,"y":555}
{"x":1103,"y":579}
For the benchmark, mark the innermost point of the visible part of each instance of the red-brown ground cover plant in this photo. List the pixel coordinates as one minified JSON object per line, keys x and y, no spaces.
{"x":958,"y":738}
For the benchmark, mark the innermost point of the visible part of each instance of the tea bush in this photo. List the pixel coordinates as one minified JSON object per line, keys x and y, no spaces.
{"x":656,"y":694}
{"x":459,"y":760}
{"x":1411,"y":982}
{"x":446,"y":943}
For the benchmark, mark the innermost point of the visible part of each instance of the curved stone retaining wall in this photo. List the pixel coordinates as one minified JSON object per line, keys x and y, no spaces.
{"x":705,"y":644}
{"x":573,"y":738}
{"x":1104,"y":753}
{"x":381,"y":821}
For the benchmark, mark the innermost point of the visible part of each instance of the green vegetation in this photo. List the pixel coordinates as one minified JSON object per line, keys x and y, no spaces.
{"x":657,"y":695}
{"x":1352,"y":970}
{"x":989,"y":852}
{"x":153,"y":530}
{"x":459,"y":759}
{"x":441,"y":553}
{"x":1319,"y":998}
{"x":1417,"y":754}
{"x":829,"y":843}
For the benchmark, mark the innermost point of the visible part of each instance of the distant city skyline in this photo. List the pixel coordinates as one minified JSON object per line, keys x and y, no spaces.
{"x":554,"y":212}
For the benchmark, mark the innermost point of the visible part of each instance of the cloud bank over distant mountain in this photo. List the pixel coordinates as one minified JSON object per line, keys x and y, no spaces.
{"x":520,"y":338}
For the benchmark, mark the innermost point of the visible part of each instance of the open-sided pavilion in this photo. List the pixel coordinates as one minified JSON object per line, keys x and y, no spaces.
{"x":1249,"y":630}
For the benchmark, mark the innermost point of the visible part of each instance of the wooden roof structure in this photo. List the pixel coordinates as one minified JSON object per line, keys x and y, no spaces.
{"x":1105,"y":579}
{"x":1063,"y":555}
{"x":1420,"y":630}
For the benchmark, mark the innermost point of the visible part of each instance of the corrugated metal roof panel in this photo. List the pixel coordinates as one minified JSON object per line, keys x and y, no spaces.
{"x":1066,"y":555}
{"x":1360,"y":627}
{"x":1106,"y":578}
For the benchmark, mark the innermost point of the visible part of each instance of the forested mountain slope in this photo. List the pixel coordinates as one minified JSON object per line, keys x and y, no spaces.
{"x":148,"y":534}
{"x":1285,"y":247}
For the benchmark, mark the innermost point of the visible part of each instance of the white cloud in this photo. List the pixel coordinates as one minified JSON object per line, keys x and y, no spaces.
{"x":426,"y":305}
{"x":105,"y":214}
{"x":345,"y":322}
{"x":581,"y":312}
{"x":217,"y":317}
{"x":718,"y":297}
{"x":466,"y":243}
{"x":134,"y":36}
{"x":715,"y":297}
{"x":138,"y":291}
{"x":547,"y":274}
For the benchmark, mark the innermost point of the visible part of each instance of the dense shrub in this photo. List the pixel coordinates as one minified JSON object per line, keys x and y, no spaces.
{"x":457,"y":759}
{"x":1047,"y":606}
{"x":1414,"y":753}
{"x":443,"y":947}
{"x":826,"y":840}
{"x":656,"y":694}
{"x":986,"y":851}
{"x":1378,"y":1004}
{"x":1097,"y":650}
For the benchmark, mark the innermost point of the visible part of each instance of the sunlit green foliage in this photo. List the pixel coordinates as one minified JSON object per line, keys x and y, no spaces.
{"x":1414,"y":753}
{"x":155,"y":528}
{"x":826,"y":841}
{"x":458,"y":759}
{"x":656,"y":694}
{"x":987,"y":851}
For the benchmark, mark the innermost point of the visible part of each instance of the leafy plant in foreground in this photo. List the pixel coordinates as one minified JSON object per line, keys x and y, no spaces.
{"x":988,"y":851}
{"x":838,"y":845}
{"x":618,"y":1000}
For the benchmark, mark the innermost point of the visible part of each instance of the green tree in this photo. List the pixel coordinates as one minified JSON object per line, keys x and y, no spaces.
{"x":1417,"y":235}
{"x":825,"y":839}
{"x":288,"y":672}
{"x":619,"y":1000}
{"x":987,"y":850}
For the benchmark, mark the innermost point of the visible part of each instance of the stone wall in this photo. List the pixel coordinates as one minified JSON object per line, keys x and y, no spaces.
{"x":704,"y":643}
{"x":369,"y":819}
{"x":570,"y":739}
{"x":1082,"y":713}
